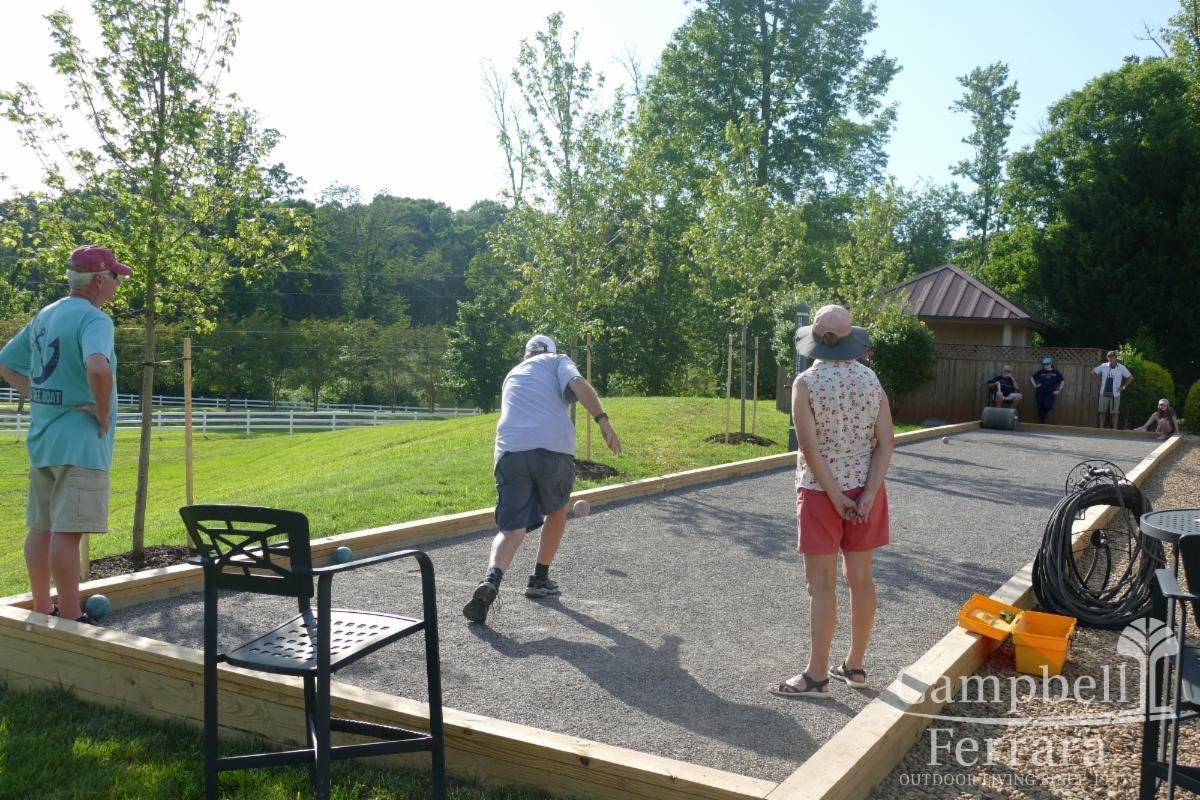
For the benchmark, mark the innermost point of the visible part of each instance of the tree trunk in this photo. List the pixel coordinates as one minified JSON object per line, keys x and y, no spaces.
{"x":138,"y":545}
{"x":158,"y":204}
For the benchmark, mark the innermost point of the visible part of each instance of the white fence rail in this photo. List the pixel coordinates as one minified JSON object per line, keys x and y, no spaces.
{"x":9,"y":395}
{"x":248,"y":421}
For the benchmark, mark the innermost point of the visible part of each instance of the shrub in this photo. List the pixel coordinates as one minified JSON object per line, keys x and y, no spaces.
{"x":903,"y":351}
{"x":1191,"y":408}
{"x":1150,"y":382}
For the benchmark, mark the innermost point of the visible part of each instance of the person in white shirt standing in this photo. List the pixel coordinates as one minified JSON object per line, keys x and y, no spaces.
{"x":534,"y":465}
{"x":1113,"y":378}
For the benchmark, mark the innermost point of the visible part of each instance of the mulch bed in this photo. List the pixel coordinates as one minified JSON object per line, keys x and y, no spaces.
{"x":154,"y":556}
{"x":739,"y":438}
{"x":592,"y":471}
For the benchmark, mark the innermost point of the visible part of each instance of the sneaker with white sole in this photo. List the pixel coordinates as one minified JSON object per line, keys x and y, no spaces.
{"x":477,"y":609}
{"x":540,"y":587}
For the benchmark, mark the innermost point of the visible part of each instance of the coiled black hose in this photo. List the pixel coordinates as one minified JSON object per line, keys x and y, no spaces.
{"x":1093,"y":585}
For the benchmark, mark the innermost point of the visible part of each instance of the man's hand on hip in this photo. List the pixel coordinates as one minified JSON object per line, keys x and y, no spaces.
{"x":101,"y":419}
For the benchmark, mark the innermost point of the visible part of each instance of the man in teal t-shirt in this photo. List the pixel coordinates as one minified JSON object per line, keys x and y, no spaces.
{"x":64,"y":362}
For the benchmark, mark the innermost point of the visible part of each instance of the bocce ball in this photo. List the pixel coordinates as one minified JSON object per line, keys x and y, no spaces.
{"x":342,"y":555}
{"x":96,"y":606}
{"x":581,"y":508}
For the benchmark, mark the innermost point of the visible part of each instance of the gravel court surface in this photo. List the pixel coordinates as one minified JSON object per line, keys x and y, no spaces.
{"x":678,"y":609}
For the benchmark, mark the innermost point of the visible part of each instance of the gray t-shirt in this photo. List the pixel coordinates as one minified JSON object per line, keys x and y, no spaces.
{"x":534,"y":406}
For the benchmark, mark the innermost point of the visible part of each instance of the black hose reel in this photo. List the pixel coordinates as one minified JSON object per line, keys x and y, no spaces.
{"x":1105,"y":579}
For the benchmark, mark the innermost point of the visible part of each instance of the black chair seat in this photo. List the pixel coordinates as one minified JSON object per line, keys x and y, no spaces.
{"x":289,"y":650}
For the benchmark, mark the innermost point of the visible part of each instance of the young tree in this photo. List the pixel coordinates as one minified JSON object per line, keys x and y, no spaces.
{"x":871,"y":259}
{"x":562,"y":233}
{"x":160,"y":187}
{"x":746,"y":246}
{"x":319,"y":345}
{"x":485,"y":338}
{"x":991,"y":103}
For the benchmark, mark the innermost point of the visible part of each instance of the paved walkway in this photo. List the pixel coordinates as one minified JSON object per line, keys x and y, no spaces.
{"x":678,"y":609}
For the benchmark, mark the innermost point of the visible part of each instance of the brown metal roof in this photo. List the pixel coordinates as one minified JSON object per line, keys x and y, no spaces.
{"x":948,"y":293}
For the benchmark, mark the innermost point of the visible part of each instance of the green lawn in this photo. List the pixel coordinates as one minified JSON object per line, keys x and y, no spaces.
{"x":54,"y":747}
{"x":366,"y":477}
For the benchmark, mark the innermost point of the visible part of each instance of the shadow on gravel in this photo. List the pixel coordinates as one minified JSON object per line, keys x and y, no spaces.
{"x":651,"y":679}
{"x":898,"y":572}
{"x":974,"y":487}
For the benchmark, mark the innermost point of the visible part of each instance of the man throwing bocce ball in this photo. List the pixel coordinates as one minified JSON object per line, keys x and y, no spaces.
{"x":534,"y":465}
{"x":64,"y":362}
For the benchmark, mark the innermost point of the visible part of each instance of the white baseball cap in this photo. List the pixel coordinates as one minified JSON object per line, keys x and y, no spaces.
{"x":539,"y":344}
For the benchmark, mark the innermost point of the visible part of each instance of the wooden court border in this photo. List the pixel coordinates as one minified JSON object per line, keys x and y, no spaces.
{"x":162,"y":680}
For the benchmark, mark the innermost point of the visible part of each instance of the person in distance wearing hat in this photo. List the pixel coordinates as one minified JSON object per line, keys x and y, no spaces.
{"x":64,"y":361}
{"x":844,"y":430}
{"x":1047,"y":383}
{"x":534,"y":465}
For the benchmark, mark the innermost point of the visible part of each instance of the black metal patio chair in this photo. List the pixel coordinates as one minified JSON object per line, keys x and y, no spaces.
{"x":1172,"y":680}
{"x":266,"y":551}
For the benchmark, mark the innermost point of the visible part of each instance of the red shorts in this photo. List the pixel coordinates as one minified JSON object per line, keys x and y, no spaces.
{"x":821,"y":531}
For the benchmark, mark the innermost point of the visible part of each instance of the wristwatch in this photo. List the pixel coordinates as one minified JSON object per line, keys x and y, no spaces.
{"x":600,"y":416}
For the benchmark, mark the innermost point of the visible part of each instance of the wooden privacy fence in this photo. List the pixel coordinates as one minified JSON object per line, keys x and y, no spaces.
{"x":958,"y":390}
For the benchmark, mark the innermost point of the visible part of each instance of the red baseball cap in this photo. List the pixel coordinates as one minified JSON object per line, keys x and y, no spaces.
{"x":94,"y":258}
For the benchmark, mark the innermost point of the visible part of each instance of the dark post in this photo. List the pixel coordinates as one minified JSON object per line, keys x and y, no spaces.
{"x":799,"y":364}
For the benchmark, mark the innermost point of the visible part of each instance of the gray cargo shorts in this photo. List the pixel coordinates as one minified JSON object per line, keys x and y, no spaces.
{"x":531,"y":484}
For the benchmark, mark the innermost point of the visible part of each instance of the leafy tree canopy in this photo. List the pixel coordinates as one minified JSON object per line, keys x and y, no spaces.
{"x":795,"y":68}
{"x":1114,"y":186}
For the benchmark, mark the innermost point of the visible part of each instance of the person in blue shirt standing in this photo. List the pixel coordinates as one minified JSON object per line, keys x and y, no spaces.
{"x":1047,"y":383}
{"x":64,"y":361}
{"x":534,"y":465}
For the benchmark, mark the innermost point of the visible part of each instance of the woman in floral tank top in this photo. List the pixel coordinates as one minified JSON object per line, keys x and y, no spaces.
{"x":844,"y":430}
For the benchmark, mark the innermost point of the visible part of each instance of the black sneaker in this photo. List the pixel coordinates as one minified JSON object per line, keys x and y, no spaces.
{"x":86,"y":619}
{"x":477,"y":609}
{"x":540,"y":587}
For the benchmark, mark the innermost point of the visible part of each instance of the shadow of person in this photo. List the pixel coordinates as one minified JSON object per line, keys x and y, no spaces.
{"x":652,"y":680}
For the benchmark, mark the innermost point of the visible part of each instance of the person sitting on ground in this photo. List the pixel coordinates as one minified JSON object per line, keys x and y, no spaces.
{"x":1163,"y":421}
{"x":1007,"y":392}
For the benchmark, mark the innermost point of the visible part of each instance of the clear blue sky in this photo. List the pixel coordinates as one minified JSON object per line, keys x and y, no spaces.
{"x":388,"y":94}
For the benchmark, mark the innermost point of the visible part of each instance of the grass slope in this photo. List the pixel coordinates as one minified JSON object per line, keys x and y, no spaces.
{"x":366,"y":477}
